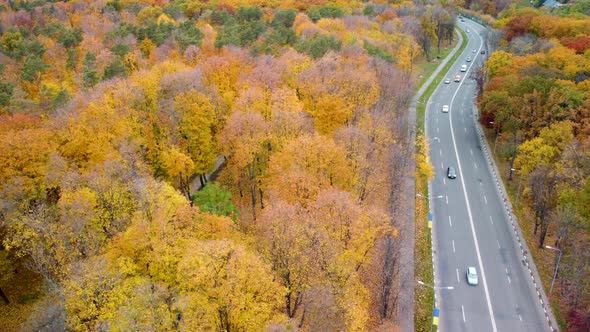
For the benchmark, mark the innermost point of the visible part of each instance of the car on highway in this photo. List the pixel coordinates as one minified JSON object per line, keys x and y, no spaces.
{"x":447,"y":80}
{"x":474,"y":50}
{"x":468,"y":59}
{"x":457,"y":78}
{"x":472,"y":277}
{"x":451,"y":174}
{"x":483,"y":52}
{"x":445,"y":109}
{"x":464,"y":68}
{"x":467,"y":31}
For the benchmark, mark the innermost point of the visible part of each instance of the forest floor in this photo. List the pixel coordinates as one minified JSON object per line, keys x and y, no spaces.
{"x":24,"y":291}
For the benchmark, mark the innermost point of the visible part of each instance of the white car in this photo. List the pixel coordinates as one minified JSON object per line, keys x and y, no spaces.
{"x":447,"y":80}
{"x":472,"y":277}
{"x":474,"y":50}
{"x":468,"y":59}
{"x":445,"y":109}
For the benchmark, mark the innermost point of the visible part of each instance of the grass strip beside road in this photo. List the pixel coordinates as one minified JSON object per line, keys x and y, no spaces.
{"x":423,"y":252}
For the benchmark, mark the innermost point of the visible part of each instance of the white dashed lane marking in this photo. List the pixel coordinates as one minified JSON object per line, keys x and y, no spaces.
{"x":463,"y":312}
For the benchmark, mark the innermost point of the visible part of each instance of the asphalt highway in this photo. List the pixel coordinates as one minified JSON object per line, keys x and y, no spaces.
{"x":470,"y":227}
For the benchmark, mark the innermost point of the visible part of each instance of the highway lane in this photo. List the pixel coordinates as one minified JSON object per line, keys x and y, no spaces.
{"x":470,"y":228}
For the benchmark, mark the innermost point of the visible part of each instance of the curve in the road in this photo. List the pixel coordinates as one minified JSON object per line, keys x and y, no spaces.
{"x":478,"y":226}
{"x":481,"y":267}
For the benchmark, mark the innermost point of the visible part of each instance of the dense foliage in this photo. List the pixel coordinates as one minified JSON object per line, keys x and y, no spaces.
{"x":112,"y":112}
{"x":537,"y":99}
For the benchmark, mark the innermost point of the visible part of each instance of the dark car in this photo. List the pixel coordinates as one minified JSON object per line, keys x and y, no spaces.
{"x":483,"y":52}
{"x":451,"y":174}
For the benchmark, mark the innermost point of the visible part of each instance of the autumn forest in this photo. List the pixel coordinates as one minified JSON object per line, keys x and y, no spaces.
{"x":115,"y":113}
{"x":241,"y":165}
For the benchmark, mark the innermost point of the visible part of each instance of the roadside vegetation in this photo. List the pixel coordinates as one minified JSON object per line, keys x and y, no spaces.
{"x":536,"y":106}
{"x":109,"y":110}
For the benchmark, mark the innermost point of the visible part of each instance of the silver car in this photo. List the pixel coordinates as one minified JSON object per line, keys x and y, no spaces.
{"x":451,"y":174}
{"x":472,"y":277}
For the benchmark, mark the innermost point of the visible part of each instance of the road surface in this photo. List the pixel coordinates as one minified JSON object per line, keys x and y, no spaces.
{"x":470,"y":224}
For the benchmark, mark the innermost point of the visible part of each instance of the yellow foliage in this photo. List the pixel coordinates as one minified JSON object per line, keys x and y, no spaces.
{"x":147,"y":46}
{"x":217,"y":292}
{"x":164,"y":19}
{"x":209,"y":36}
{"x":197,"y":117}
{"x":332,"y":25}
{"x":331,"y":96}
{"x":149,"y":81}
{"x":497,"y":61}
{"x":566,"y":60}
{"x":301,"y":23}
{"x":178,"y":163}
{"x":149,"y":13}
{"x":131,"y":62}
{"x":424,"y":169}
{"x":222,"y":72}
{"x":355,"y":302}
{"x":307,"y":165}
{"x":92,"y":137}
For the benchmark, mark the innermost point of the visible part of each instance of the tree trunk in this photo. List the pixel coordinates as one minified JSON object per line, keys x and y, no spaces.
{"x":513,"y":157}
{"x":261,"y":196}
{"x":253,"y":196}
{"x":302,"y":318}
{"x":201,"y":179}
{"x":4,"y":297}
{"x":543,"y":234}
{"x":388,"y":271}
{"x":288,"y":304}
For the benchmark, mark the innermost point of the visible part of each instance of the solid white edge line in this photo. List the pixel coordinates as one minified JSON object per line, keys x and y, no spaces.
{"x":483,"y":275}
